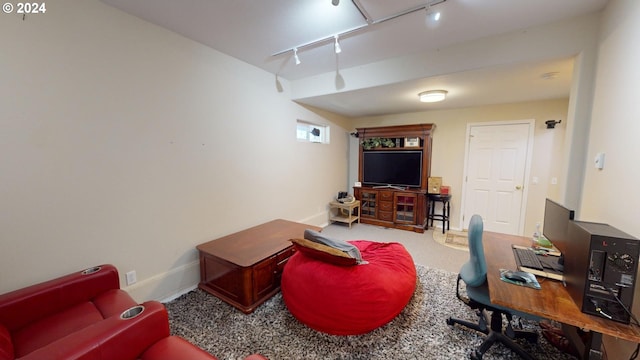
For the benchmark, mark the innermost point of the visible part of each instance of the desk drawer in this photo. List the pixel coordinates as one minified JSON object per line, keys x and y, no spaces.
{"x":285,"y":254}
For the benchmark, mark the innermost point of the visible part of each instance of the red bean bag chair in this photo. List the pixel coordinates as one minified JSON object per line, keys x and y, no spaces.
{"x":349,"y":299}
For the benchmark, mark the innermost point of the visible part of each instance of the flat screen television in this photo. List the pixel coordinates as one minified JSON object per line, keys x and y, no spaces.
{"x":556,"y":223}
{"x":394,"y":168}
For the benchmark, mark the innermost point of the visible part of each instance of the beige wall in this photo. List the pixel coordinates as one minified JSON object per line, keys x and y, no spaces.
{"x":610,"y":195}
{"x":615,"y":122}
{"x":125,"y":143}
{"x":449,"y":147}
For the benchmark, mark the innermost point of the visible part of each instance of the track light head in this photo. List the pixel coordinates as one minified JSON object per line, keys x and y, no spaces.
{"x":336,"y":45}
{"x":295,"y":56}
{"x":433,"y":16}
{"x":335,"y":2}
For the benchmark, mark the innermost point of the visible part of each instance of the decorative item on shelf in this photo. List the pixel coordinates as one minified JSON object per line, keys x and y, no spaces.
{"x":376,"y":142}
{"x":412,"y":142}
{"x":370,"y":143}
{"x":386,"y":142}
{"x":433,"y":185}
{"x":444,"y":190}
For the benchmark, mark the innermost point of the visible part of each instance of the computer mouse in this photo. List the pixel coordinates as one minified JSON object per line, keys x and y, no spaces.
{"x":515,"y":277}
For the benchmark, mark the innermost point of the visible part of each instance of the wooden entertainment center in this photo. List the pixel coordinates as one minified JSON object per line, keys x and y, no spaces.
{"x":400,"y":207}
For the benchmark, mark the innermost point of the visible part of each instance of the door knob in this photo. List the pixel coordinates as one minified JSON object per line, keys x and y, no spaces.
{"x":518,"y":187}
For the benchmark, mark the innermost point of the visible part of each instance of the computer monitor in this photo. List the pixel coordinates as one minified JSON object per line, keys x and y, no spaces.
{"x":556,"y":223}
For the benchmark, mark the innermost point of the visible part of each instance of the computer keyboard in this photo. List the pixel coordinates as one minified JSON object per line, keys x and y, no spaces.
{"x":527,"y":258}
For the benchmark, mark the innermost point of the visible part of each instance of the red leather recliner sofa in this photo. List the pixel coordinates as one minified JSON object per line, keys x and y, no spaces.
{"x":85,"y":315}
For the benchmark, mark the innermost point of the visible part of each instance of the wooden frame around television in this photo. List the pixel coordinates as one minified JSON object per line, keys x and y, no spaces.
{"x":390,"y":208}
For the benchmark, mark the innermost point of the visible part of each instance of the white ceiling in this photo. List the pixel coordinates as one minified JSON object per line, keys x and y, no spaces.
{"x":254,"y":30}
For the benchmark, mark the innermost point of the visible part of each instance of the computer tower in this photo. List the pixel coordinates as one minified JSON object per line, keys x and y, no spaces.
{"x":600,"y":269}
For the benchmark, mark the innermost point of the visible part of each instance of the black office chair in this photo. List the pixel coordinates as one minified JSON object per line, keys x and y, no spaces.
{"x":474,"y":275}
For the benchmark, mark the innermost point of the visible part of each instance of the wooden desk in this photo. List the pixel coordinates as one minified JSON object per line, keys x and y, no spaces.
{"x":244,"y":269}
{"x":552,"y":301}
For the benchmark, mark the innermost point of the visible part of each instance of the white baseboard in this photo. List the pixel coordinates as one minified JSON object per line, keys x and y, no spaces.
{"x":320,"y":219}
{"x":178,"y":294}
{"x":178,"y":281}
{"x":168,"y":285}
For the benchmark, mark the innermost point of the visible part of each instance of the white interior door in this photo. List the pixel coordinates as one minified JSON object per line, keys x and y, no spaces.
{"x":498,"y":157}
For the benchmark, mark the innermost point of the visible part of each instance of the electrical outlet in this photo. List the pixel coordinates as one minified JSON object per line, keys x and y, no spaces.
{"x":131,"y":277}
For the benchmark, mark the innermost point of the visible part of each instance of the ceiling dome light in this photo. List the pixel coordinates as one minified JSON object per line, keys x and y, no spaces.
{"x":432,"y":95}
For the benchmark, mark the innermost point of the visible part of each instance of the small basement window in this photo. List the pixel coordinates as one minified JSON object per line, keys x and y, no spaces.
{"x":307,"y":131}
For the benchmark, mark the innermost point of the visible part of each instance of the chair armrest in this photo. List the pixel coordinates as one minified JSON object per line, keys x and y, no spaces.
{"x":113,"y":338}
{"x":175,"y":348}
{"x":23,"y":306}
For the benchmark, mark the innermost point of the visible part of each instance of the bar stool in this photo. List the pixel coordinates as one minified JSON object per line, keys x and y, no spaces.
{"x":444,"y":217}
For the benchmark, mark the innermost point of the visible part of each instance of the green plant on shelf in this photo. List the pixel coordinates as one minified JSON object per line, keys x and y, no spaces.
{"x":376,"y":142}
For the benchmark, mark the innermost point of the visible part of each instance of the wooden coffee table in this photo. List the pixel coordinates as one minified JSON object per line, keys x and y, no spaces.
{"x":244,"y":269}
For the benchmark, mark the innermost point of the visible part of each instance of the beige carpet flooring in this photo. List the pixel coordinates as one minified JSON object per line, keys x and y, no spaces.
{"x":422,"y":247}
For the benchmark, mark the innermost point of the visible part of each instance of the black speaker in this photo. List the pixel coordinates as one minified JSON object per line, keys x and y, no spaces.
{"x":600,"y":269}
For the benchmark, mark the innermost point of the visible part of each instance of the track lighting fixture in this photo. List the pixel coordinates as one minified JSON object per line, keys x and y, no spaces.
{"x":295,"y":56}
{"x":336,"y":45}
{"x":432,"y":17}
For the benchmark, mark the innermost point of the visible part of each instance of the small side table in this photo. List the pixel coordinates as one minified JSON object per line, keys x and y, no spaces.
{"x":444,"y":217}
{"x":336,"y":212}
